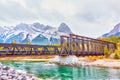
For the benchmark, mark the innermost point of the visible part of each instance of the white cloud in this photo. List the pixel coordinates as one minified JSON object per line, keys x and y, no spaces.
{"x":85,"y":17}
{"x":64,"y":7}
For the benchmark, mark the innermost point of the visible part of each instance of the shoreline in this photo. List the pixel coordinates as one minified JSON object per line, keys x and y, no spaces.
{"x":82,"y":61}
{"x":106,"y":65}
{"x":28,"y":58}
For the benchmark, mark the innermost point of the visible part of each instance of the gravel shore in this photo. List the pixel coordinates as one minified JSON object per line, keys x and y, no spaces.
{"x":9,"y":73}
{"x":74,"y":61}
{"x":97,"y":63}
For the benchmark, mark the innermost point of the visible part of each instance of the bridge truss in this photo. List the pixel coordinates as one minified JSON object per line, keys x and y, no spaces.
{"x":83,"y":46}
{"x":27,"y":49}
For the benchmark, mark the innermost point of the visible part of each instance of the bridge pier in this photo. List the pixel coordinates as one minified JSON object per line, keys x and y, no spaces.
{"x":66,"y":60}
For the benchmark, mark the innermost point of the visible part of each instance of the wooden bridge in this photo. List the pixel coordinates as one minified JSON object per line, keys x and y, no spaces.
{"x":27,"y":49}
{"x":83,"y":46}
{"x":70,"y":45}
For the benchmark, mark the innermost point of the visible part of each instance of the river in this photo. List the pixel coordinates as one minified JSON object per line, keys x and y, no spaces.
{"x":54,"y":72}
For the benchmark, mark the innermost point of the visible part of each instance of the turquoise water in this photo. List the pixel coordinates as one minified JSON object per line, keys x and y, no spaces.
{"x":54,"y":72}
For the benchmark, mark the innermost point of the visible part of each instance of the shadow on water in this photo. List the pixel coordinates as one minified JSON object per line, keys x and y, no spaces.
{"x":54,"y":72}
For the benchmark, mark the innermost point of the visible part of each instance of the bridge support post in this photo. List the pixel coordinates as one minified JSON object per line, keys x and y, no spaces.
{"x":70,"y":42}
{"x":83,"y":48}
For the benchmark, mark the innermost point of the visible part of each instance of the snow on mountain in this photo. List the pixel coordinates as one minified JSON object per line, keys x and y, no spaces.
{"x":35,"y":33}
{"x":114,"y":32}
{"x":40,"y":39}
{"x":41,"y":26}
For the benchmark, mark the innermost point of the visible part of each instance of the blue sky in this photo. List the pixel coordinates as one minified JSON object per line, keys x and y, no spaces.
{"x":85,"y":17}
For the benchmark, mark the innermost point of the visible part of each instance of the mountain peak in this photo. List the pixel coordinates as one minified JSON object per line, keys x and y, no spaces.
{"x":116,"y":29}
{"x":114,"y":32}
{"x":64,"y":28}
{"x":38,"y":25}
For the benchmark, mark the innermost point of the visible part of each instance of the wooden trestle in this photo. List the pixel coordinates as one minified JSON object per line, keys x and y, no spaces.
{"x":70,"y":45}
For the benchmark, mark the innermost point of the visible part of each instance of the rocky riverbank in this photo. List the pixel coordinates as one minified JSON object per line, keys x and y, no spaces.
{"x":97,"y":63}
{"x":9,"y":73}
{"x":74,"y":61}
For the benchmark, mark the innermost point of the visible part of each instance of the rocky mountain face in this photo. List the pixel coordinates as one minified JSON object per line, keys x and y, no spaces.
{"x":114,"y":32}
{"x":64,"y":28}
{"x":35,"y":33}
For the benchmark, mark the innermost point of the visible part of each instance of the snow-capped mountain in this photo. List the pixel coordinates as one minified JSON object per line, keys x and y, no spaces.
{"x":35,"y":33}
{"x":114,"y":32}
